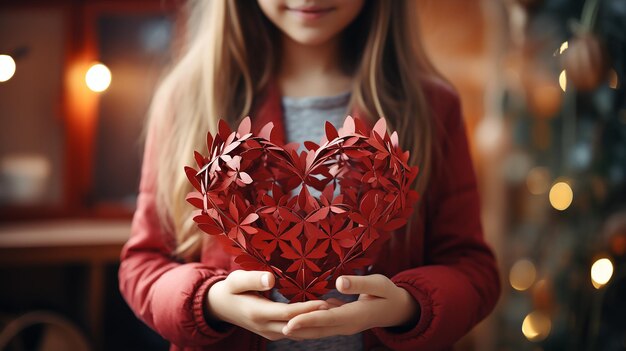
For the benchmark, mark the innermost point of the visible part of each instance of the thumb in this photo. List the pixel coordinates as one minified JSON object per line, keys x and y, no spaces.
{"x":240,"y":281}
{"x":375,"y":284}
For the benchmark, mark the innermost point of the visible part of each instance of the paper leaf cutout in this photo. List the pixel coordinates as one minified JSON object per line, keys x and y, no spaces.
{"x":254,"y":195}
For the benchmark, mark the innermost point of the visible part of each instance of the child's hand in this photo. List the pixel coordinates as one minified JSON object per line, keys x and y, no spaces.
{"x":381,"y":304}
{"x":235,"y":300}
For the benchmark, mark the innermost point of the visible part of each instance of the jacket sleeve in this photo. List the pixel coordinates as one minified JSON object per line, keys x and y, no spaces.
{"x":164,"y":293}
{"x":459,"y":284}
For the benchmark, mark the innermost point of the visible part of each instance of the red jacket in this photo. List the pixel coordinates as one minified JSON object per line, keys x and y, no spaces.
{"x":444,"y":263}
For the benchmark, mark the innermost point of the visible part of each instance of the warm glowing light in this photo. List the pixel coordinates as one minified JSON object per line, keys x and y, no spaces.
{"x":563,"y":47}
{"x":7,"y":67}
{"x":98,"y":78}
{"x":613,"y":80}
{"x":490,"y":133}
{"x":536,"y":326}
{"x":538,"y":180}
{"x":601,"y":272}
{"x":522,"y":275}
{"x":561,"y":196}
{"x":563,"y":80}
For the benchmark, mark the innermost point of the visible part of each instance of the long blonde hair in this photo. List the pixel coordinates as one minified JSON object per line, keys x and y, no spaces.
{"x":231,"y":54}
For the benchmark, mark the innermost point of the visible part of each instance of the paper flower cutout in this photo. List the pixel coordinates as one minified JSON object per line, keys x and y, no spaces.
{"x":256,"y":197}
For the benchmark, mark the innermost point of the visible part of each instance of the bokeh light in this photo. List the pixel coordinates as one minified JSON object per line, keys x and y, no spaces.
{"x":613,"y":79}
{"x":563,"y":80}
{"x":601,"y":272}
{"x":561,"y":196}
{"x":536,"y":326}
{"x":7,"y":67}
{"x":490,"y":134}
{"x":563,"y":47}
{"x":522,"y":275}
{"x":98,"y":78}
{"x":538,"y":180}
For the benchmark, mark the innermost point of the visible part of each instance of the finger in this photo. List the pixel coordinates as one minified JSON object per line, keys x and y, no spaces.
{"x":278,"y":336}
{"x":334,"y":302}
{"x":274,"y":331}
{"x":272,"y":327}
{"x":348,"y":319}
{"x":348,"y":314}
{"x":260,"y":310}
{"x":322,"y":332}
{"x":375,"y":284}
{"x":273,"y":336}
{"x":284,"y":312}
{"x":241,"y":281}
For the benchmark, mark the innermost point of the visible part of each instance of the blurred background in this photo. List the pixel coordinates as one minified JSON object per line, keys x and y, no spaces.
{"x":542,"y":85}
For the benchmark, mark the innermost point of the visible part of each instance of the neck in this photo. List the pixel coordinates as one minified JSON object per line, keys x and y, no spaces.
{"x":311,"y":69}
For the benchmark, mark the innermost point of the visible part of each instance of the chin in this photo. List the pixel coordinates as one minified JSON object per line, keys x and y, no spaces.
{"x":309,"y":38}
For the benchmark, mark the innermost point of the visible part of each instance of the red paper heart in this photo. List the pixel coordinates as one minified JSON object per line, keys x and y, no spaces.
{"x":243,"y":196}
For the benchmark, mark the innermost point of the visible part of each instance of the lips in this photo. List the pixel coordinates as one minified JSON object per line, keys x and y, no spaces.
{"x":310,"y":12}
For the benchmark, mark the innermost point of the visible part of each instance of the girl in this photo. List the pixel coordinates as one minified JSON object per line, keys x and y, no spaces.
{"x":298,"y":63}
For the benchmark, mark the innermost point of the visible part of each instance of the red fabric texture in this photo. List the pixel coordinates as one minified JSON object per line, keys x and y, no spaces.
{"x":444,"y":262}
